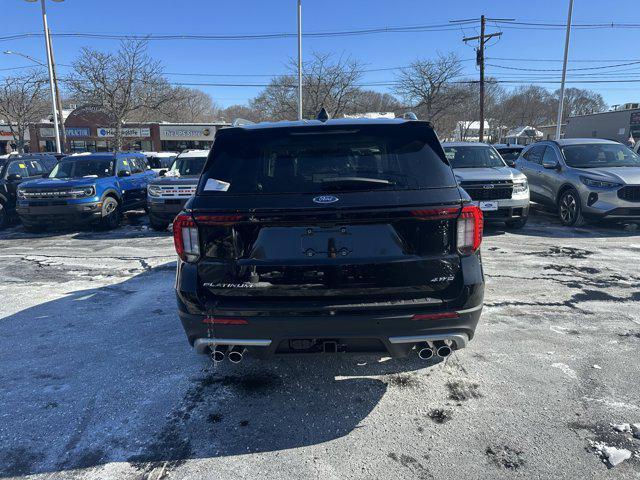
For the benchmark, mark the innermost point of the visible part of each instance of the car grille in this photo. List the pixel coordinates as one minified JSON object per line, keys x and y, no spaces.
{"x":177,"y":191}
{"x":33,"y":194}
{"x":488,"y":190}
{"x":630,"y":193}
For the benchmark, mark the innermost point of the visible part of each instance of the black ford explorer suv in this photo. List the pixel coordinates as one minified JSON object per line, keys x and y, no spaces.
{"x":335,"y":236}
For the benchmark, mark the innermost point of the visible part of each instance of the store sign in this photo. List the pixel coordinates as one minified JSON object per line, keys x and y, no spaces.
{"x":5,"y":133}
{"x":126,"y":132}
{"x":187,"y":132}
{"x":70,"y":132}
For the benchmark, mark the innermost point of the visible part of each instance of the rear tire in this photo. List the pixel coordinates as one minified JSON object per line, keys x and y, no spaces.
{"x":111,"y":214}
{"x":516,"y":224}
{"x":570,"y":209}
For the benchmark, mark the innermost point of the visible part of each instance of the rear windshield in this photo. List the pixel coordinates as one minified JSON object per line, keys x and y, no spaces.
{"x":473,"y":156}
{"x":596,"y":155}
{"x":324,"y":159}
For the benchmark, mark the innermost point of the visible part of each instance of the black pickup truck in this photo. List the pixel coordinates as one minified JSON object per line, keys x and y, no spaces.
{"x":346,"y":235}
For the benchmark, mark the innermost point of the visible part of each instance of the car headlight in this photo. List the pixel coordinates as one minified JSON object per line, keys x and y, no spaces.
{"x":591,"y":182}
{"x":154,"y":190}
{"x":520,"y":186}
{"x":83,"y":192}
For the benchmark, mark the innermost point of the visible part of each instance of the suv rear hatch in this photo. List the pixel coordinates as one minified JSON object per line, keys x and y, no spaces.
{"x":327,"y":217}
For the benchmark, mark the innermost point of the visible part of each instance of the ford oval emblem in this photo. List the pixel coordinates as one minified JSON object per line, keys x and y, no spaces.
{"x":324,"y":199}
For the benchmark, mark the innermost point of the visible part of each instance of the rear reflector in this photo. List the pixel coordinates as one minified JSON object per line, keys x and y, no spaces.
{"x":436,"y":213}
{"x":469,"y":231}
{"x":225,"y":321}
{"x":217,"y":219}
{"x":435,"y":316}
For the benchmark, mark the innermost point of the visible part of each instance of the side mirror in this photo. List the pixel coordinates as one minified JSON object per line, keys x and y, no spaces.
{"x":510,"y":163}
{"x":124,"y":173}
{"x":550,"y":165}
{"x":14,"y":177}
{"x":162,"y":172}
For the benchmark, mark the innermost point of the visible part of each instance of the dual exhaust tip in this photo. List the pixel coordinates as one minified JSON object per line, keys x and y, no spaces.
{"x":439,"y":348}
{"x":234,"y":354}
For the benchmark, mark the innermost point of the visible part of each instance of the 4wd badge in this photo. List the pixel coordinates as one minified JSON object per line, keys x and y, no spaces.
{"x":326,"y":199}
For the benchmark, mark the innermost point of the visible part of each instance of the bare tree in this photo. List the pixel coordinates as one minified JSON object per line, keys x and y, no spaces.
{"x":233,"y":112}
{"x":23,"y":100}
{"x":123,"y":83}
{"x":370,"y":101}
{"x":191,"y":105}
{"x":328,"y":82}
{"x":579,"y":101}
{"x":427,"y":86}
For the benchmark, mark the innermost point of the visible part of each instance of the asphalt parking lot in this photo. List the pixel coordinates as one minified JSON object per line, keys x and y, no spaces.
{"x":97,"y":380}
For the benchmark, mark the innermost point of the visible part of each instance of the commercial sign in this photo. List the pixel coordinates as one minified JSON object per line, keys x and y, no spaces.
{"x":187,"y":132}
{"x":71,"y":132}
{"x":5,"y":133}
{"x":126,"y":132}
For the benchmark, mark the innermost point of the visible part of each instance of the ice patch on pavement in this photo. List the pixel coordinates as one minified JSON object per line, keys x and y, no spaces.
{"x":566,"y":369}
{"x":612,"y":455}
{"x":597,"y":367}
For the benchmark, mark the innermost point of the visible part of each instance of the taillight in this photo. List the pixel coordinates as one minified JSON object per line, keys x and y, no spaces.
{"x":435,"y":316}
{"x":185,"y":238}
{"x":225,"y":321}
{"x":436,"y":213}
{"x":469,"y":230}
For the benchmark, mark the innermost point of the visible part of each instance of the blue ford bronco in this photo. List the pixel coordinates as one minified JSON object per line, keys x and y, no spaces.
{"x":85,"y":189}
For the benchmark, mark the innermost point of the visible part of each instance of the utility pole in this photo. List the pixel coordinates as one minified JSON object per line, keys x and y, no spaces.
{"x":564,"y":72}
{"x":63,"y":133}
{"x":299,"y":59}
{"x":482,"y":38}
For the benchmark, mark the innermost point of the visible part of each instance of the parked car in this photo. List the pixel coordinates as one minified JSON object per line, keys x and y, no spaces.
{"x":584,"y":179}
{"x":14,"y":170}
{"x":346,"y":235}
{"x":509,"y":153}
{"x":501,"y":191}
{"x":167,"y":195}
{"x":160,"y":160}
{"x":85,"y":189}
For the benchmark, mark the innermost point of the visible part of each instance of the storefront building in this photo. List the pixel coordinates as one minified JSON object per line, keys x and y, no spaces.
{"x":7,"y":142}
{"x":89,"y":129}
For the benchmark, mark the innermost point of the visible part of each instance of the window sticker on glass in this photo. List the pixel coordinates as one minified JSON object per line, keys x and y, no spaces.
{"x":22,"y":165}
{"x":214,"y":185}
{"x":124,"y":162}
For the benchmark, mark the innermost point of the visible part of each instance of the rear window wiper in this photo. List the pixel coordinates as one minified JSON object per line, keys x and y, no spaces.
{"x":357,"y":182}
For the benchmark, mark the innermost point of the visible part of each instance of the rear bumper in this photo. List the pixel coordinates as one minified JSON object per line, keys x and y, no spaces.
{"x":77,"y":213}
{"x":387,"y":329}
{"x":395,"y":335}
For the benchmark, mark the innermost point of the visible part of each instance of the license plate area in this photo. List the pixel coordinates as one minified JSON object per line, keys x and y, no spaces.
{"x":488,"y":206}
{"x":327,"y":242}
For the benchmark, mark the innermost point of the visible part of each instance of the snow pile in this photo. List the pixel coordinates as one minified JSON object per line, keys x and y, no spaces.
{"x":633,"y":428}
{"x":612,"y":455}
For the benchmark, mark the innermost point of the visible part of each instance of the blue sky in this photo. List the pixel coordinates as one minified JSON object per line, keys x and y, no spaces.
{"x":258,"y":57}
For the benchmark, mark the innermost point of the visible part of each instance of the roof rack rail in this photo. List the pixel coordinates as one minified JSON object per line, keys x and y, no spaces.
{"x":238,"y":122}
{"x":410,"y":116}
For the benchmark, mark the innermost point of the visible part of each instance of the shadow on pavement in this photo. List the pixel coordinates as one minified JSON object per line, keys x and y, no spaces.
{"x":106,"y":375}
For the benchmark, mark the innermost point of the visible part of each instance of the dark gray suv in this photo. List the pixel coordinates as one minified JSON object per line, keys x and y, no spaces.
{"x":590,"y":179}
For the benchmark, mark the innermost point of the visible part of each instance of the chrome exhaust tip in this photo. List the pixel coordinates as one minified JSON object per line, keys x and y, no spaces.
{"x":217,"y":355}
{"x":236,"y":354}
{"x":443,"y":350}
{"x":425,"y":352}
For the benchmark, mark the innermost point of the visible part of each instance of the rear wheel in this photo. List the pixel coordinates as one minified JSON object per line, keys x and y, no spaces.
{"x":517,"y":224}
{"x":111,"y":214}
{"x":569,"y":209}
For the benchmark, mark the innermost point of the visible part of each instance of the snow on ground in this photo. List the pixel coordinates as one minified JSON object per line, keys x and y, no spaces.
{"x":98,"y":381}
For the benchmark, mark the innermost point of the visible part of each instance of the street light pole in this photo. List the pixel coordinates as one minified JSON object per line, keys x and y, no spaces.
{"x":47,"y":42}
{"x":299,"y":59}
{"x":564,"y":72}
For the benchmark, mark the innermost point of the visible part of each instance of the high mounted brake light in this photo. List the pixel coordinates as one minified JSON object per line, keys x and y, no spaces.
{"x":469,"y":232}
{"x":185,"y":238}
